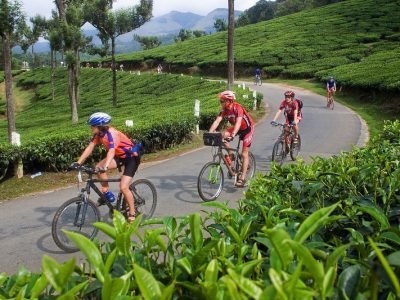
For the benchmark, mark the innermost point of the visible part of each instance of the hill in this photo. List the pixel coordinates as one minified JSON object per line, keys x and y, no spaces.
{"x":357,"y":41}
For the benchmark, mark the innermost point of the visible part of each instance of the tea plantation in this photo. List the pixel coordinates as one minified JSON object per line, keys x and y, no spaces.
{"x":357,"y":41}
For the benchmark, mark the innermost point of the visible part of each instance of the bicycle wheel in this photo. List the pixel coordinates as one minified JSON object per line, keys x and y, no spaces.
{"x":251,"y":168}
{"x":145,"y":195}
{"x":74,"y":215}
{"x":332,"y":102}
{"x":295,"y":148}
{"x":278,"y":152}
{"x":210,"y":181}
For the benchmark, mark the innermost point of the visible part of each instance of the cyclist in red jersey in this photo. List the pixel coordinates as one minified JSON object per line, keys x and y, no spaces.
{"x":120,"y":151}
{"x":291,"y":111}
{"x":243,"y":126}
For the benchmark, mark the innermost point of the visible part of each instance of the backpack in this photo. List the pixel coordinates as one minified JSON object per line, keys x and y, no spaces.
{"x":299,"y":103}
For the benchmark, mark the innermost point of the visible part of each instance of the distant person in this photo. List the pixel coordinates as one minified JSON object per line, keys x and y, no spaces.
{"x":258,"y":75}
{"x":120,"y":151}
{"x":292,"y":113}
{"x":159,"y":69}
{"x":243,"y":126}
{"x":330,"y":88}
{"x":121,"y":67}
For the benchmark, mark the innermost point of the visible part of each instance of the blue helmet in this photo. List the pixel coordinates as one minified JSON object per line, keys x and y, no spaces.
{"x":99,"y":119}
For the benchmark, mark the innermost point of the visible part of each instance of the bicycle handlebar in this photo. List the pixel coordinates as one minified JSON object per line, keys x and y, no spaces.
{"x":282,"y":125}
{"x":87,"y":169}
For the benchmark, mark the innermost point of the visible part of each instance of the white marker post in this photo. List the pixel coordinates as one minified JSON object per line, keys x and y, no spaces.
{"x":128,"y":123}
{"x":197,"y":114}
{"x":244,"y":85}
{"x":254,"y":100}
{"x":19,"y":168}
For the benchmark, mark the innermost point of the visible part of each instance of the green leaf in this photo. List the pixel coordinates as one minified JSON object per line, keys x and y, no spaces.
{"x":386,"y":266}
{"x":328,"y":283}
{"x":377,"y":214}
{"x":57,"y":274}
{"x":313,"y":223}
{"x":391,"y":236}
{"x":196,"y":232}
{"x":314,"y":266}
{"x":245,"y":284}
{"x":148,"y":285}
{"x":91,"y":252}
{"x":277,"y":282}
{"x":115,"y":287}
{"x":106,"y":228}
{"x":185,"y":263}
{"x":349,"y":280}
{"x":211,"y":274}
{"x":278,"y":237}
{"x":335,"y":255}
{"x":39,"y":286}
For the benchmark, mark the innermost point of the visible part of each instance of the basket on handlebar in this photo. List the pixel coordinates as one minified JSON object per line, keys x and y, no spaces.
{"x":212,"y":139}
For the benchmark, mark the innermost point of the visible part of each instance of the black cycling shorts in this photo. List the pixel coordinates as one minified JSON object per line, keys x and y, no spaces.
{"x":130,"y":165}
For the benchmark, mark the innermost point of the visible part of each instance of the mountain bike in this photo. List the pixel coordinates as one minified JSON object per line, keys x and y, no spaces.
{"x":331,"y":100}
{"x":210,"y":181}
{"x":285,"y":144}
{"x":80,"y":213}
{"x":258,"y":80}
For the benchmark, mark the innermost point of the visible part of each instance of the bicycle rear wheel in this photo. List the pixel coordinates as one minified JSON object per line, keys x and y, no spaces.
{"x":332,"y":103}
{"x":295,"y":148}
{"x":74,"y":215}
{"x":210,"y":181}
{"x":145,"y":195}
{"x":278,"y":152}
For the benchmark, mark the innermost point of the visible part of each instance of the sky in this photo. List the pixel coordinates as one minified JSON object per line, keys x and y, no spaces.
{"x":160,"y":7}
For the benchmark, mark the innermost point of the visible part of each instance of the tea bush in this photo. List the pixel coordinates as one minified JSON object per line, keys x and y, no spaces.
{"x":318,"y":231}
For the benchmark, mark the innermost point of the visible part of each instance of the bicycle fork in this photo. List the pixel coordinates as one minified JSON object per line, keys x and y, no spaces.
{"x":79,"y":221}
{"x":213,"y":178}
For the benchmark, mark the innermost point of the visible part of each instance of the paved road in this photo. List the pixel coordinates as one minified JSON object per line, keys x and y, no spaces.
{"x":25,"y":223}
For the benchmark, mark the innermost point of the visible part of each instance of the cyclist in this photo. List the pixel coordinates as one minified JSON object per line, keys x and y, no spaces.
{"x":258,"y":74}
{"x":243,"y":126}
{"x":291,"y":111}
{"x":120,"y":151}
{"x":330,"y":88}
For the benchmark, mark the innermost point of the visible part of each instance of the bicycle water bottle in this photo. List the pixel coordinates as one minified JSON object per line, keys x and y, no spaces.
{"x":109,"y":196}
{"x":228,"y":159}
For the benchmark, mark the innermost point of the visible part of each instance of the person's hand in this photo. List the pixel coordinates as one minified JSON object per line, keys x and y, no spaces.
{"x":100,"y":170}
{"x":74,"y":165}
{"x":229,"y":138}
{"x":273,"y":123}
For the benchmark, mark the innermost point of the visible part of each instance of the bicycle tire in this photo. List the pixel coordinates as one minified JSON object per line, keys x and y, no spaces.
{"x":332,"y":103}
{"x":295,"y":148}
{"x":65,"y":217}
{"x":251,"y":169}
{"x":278,"y":152}
{"x":145,"y":195}
{"x":208,"y":188}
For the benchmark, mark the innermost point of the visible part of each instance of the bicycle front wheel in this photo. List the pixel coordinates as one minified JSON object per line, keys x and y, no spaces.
{"x":74,"y":215}
{"x":332,"y":103}
{"x":295,"y":148}
{"x":210,"y":181}
{"x":278,"y":152}
{"x":145,"y":195}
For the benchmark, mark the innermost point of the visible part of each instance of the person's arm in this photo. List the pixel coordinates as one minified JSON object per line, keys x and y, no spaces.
{"x":86,"y":153}
{"x":109,"y":157}
{"x":215,"y":124}
{"x":277,"y":115}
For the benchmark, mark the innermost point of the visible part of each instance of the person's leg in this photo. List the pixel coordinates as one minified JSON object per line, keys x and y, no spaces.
{"x":103,"y":176}
{"x":130,"y":168}
{"x":245,"y":162}
{"x":128,"y":196}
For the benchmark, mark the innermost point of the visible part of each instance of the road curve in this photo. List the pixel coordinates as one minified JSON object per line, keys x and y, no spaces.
{"x":25,"y":230}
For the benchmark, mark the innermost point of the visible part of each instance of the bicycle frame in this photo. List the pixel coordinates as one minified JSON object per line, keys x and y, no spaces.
{"x":220,"y":156}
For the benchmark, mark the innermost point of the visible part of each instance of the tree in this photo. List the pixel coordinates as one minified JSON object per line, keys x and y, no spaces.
{"x":12,"y":22}
{"x":220,"y":25}
{"x":263,"y":10}
{"x":31,"y":35}
{"x":114,"y":23}
{"x":231,"y":33}
{"x":147,"y":42}
{"x":183,"y":35}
